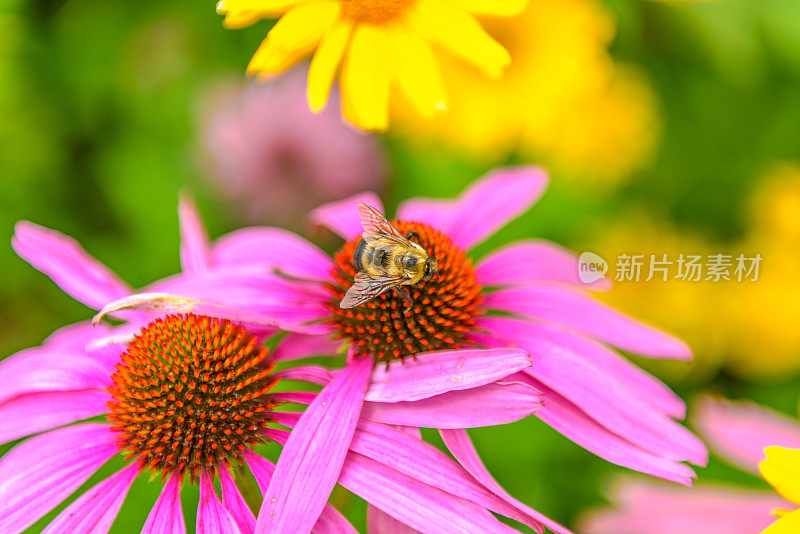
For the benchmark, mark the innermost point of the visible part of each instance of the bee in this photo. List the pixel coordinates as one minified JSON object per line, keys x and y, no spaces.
{"x":385,"y":260}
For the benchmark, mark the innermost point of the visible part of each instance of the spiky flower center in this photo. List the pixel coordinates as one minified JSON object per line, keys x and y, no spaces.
{"x":190,"y":393}
{"x":443,"y":309}
{"x":374,"y":11}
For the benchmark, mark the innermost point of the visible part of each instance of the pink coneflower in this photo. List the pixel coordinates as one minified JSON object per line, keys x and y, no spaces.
{"x":187,"y":395}
{"x":277,"y":160}
{"x":737,"y":432}
{"x":593,"y":395}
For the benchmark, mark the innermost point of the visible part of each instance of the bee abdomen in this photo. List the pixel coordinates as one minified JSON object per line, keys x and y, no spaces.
{"x":357,"y":255}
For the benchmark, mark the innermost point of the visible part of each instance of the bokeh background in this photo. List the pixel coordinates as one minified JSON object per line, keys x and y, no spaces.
{"x":668,"y":127}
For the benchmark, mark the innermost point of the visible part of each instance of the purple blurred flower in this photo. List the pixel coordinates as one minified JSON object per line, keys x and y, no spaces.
{"x":737,"y":432}
{"x":553,"y":338}
{"x":277,"y":160}
{"x":150,"y":377}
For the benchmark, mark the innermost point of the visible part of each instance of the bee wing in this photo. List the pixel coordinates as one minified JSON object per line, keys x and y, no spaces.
{"x":375,"y":225}
{"x":366,"y":288}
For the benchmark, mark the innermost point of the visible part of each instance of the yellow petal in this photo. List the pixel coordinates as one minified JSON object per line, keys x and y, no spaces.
{"x":326,"y":62}
{"x":787,"y":524}
{"x":241,"y":13}
{"x":294,"y":36}
{"x":501,"y":8}
{"x":417,"y":72}
{"x":782,"y":470}
{"x":305,"y":24}
{"x":366,"y":77}
{"x":461,"y":34}
{"x":270,"y":60}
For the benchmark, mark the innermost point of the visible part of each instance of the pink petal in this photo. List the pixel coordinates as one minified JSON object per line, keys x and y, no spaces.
{"x":433,"y":373}
{"x":241,"y":279}
{"x":496,"y":403}
{"x":273,"y":249}
{"x":95,"y":510}
{"x":606,"y":403}
{"x":295,"y":397}
{"x":36,"y":412}
{"x":98,"y":343}
{"x":330,"y":520}
{"x":310,"y":462}
{"x":212,"y":517}
{"x":436,"y":213}
{"x":461,"y":447}
{"x":424,"y":463}
{"x":342,"y":217}
{"x":607,"y":400}
{"x":267,"y":297}
{"x":412,"y":431}
{"x":379,"y":522}
{"x":575,"y":309}
{"x":107,"y":348}
{"x":484,"y":208}
{"x":67,"y":264}
{"x":651,"y":508}
{"x":166,"y":516}
{"x":639,"y":384}
{"x":73,"y":337}
{"x":306,"y":373}
{"x":573,"y":423}
{"x":413,"y":503}
{"x":235,"y":284}
{"x":43,"y":369}
{"x":261,"y":468}
{"x":195,"y":254}
{"x":234,"y":502}
{"x":524,"y":262}
{"x":298,"y":346}
{"x":41,"y":472}
{"x":289,"y":419}
{"x":739,"y":431}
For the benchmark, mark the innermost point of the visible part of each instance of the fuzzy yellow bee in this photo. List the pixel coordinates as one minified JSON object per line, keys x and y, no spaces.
{"x":386,"y":260}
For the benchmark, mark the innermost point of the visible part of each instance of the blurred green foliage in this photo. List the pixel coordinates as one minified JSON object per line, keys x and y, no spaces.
{"x":99,"y":107}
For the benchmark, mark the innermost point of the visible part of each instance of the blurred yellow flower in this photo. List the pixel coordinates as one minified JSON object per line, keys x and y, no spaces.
{"x":748,"y":327}
{"x":764,"y":330}
{"x":605,"y":136}
{"x":781,"y":469}
{"x":775,"y":207}
{"x":562,"y":101}
{"x":381,"y":44}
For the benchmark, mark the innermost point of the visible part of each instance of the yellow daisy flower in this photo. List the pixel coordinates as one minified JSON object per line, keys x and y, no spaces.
{"x":381,"y":45}
{"x":782,"y":470}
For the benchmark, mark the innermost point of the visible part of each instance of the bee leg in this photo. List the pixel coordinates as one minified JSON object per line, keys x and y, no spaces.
{"x":413,"y":234}
{"x":405,"y":296}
